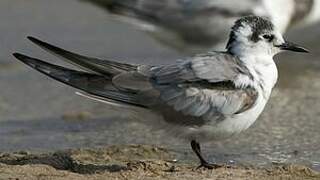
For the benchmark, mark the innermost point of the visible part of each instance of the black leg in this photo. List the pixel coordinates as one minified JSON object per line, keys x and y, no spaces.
{"x":203,"y":163}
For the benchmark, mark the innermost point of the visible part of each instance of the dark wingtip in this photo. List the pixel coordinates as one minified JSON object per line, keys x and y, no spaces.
{"x":16,"y":55}
{"x":19,"y":56}
{"x":25,"y":59}
{"x":34,"y":40}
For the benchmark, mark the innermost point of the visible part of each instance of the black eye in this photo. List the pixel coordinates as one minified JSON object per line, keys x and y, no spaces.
{"x":268,"y":37}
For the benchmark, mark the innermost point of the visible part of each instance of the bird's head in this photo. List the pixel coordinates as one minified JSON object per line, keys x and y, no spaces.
{"x":257,"y":35}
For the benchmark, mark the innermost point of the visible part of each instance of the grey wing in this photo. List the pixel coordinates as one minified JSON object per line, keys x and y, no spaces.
{"x":203,"y":87}
{"x":93,"y":84}
{"x":208,"y":103}
{"x":110,"y":80}
{"x":211,"y":67}
{"x":93,"y":65}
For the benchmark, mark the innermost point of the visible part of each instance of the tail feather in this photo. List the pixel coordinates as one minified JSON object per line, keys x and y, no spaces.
{"x":97,"y":66}
{"x":93,"y":84}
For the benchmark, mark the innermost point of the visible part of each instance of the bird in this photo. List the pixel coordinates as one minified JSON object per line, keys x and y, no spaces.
{"x":206,"y":97}
{"x":191,"y":26}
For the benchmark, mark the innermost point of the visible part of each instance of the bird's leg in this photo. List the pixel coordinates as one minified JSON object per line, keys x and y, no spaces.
{"x":203,"y":163}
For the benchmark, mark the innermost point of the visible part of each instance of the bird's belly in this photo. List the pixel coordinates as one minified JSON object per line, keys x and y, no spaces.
{"x":228,"y":127}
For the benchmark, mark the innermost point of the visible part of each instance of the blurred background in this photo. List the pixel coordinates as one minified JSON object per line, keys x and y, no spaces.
{"x":40,"y":114}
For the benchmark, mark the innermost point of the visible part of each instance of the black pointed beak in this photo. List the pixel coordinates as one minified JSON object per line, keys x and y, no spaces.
{"x":289,"y":46}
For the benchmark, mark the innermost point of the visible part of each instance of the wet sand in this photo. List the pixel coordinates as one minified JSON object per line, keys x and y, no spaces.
{"x":40,"y":115}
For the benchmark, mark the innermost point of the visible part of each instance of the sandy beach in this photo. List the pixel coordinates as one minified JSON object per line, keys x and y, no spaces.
{"x":132,"y":162}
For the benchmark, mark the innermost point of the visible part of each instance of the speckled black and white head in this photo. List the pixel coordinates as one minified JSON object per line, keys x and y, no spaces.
{"x":257,"y":35}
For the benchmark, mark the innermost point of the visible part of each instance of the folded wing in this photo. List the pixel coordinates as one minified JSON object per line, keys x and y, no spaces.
{"x":201,"y":86}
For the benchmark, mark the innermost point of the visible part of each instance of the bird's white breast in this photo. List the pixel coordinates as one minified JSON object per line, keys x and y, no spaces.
{"x":265,"y":76}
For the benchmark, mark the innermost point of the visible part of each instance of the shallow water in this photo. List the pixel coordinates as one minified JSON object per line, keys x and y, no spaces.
{"x":32,"y":106}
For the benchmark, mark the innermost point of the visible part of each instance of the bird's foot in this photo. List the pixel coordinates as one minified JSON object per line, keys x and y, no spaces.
{"x":207,"y":165}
